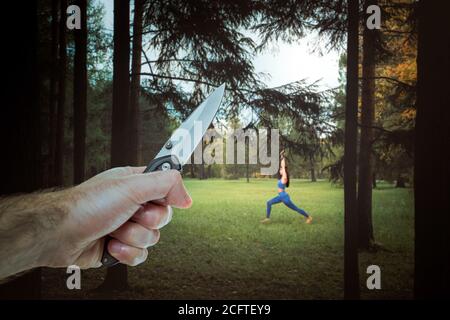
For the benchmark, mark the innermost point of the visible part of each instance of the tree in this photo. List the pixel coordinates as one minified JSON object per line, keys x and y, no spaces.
{"x":365,"y":174}
{"x":351,"y":273}
{"x":432,"y":157}
{"x":135,"y":119}
{"x":395,"y":97}
{"x":116,"y":277}
{"x":198,"y":43}
{"x":60,"y":113}
{"x":20,"y":132}
{"x":53,"y":93}
{"x":312,"y":168}
{"x":80,"y":96}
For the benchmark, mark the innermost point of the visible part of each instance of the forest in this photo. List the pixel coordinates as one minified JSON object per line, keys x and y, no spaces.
{"x":79,"y":101}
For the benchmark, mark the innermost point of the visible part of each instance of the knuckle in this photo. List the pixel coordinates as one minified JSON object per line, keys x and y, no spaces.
{"x":175,"y":175}
{"x":130,"y":232}
{"x":153,"y":218}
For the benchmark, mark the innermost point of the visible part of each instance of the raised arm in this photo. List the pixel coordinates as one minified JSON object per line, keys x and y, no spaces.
{"x":283,"y":165}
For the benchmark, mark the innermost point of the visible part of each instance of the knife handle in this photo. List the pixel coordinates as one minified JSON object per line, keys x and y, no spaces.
{"x":159,"y":164}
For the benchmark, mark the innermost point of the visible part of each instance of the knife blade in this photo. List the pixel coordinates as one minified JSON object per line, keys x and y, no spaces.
{"x":180,"y":146}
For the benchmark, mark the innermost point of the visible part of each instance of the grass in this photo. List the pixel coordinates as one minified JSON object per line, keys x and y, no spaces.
{"x":219,"y":249}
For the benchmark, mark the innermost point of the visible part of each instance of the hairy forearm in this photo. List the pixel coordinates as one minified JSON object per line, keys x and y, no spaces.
{"x":28,"y":230}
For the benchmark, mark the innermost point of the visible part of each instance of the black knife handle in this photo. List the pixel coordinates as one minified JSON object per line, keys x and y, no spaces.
{"x":158,"y":164}
{"x":163,"y":164}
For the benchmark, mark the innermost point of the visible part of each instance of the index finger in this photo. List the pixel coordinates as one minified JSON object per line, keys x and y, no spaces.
{"x":158,"y":185}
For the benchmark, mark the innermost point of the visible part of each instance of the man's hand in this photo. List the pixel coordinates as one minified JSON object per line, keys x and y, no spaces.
{"x":62,"y":228}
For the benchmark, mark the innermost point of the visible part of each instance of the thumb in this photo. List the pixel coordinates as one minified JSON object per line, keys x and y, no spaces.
{"x":160,"y":185}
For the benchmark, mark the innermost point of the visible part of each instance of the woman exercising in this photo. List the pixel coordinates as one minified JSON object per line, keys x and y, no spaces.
{"x":283,"y":196}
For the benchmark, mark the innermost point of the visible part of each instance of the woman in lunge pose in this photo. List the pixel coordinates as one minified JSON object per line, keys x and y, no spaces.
{"x":283,"y":196}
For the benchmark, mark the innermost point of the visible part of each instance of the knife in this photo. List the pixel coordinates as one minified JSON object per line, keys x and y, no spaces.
{"x":180,"y":146}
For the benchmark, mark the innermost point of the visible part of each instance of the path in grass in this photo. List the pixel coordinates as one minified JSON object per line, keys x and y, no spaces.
{"x":219,"y":249}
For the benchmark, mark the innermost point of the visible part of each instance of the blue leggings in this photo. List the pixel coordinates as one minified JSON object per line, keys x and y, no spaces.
{"x":284,"y":197}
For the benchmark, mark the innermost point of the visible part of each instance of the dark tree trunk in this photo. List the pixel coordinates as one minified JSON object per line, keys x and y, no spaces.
{"x":20,"y":123}
{"x":432,"y":157}
{"x":192,"y":169}
{"x":400,"y":182}
{"x":202,"y":171}
{"x":202,"y":164}
{"x":135,"y":119}
{"x":351,"y":272}
{"x":80,"y":96}
{"x":117,"y":276}
{"x":62,"y":65}
{"x":247,"y":173}
{"x":374,"y":180}
{"x":53,"y":96}
{"x":312,"y":169}
{"x":365,"y":175}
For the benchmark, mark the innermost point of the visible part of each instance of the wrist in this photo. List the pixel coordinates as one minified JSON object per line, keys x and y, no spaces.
{"x":51,"y":224}
{"x":30,"y":231}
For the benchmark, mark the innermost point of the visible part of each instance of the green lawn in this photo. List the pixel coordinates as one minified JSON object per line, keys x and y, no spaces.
{"x":219,"y":249}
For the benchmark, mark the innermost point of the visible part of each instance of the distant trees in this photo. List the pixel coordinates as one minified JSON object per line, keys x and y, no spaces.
{"x":395,"y":97}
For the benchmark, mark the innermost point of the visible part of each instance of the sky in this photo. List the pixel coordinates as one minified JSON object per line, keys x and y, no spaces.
{"x":284,"y":63}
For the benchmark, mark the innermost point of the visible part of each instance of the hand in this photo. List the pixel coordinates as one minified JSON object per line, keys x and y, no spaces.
{"x":116,"y":202}
{"x":62,"y":228}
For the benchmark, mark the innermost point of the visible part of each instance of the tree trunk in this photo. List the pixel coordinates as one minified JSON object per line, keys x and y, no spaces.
{"x":62,"y":65}
{"x":20,"y":125}
{"x":313,"y":175}
{"x":432,"y":157}
{"x":202,"y":171}
{"x":117,"y":276}
{"x":192,"y":169}
{"x":374,"y":180}
{"x":400,"y":182}
{"x":135,"y":118}
{"x":365,"y":227}
{"x":247,"y":173}
{"x":80,"y":96}
{"x":312,"y":169}
{"x":52,"y":96}
{"x":351,"y":273}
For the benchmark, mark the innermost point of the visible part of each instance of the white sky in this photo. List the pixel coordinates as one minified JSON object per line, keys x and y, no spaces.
{"x":284,"y":62}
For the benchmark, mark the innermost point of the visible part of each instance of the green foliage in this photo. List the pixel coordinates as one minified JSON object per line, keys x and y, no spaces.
{"x":200,"y":44}
{"x":99,"y":62}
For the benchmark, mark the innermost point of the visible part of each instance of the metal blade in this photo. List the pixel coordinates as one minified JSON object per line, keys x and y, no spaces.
{"x":186,"y":137}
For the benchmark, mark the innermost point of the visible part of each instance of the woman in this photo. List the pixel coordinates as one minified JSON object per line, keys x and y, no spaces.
{"x":283,"y":196}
